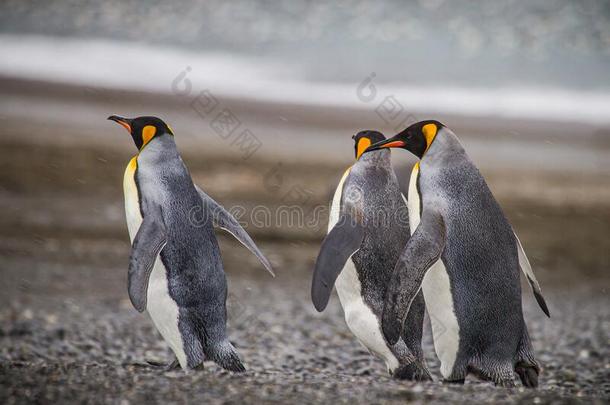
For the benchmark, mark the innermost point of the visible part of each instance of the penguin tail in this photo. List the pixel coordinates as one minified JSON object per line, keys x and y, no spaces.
{"x":539,"y":298}
{"x":225,"y":355}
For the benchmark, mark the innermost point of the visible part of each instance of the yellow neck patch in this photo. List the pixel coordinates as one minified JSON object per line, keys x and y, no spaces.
{"x":429,"y":131}
{"x":363,"y":144}
{"x":133,"y":164}
{"x":148,"y":132}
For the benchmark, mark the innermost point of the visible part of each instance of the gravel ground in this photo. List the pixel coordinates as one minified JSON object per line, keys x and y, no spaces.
{"x":68,"y":333}
{"x":74,"y":347}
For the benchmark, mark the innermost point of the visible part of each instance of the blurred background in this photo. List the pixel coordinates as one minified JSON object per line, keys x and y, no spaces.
{"x":264,"y":98}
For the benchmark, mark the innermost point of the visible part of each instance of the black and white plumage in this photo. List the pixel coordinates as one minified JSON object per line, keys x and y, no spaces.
{"x":465,"y":257}
{"x":368,"y":227}
{"x":175,"y":270}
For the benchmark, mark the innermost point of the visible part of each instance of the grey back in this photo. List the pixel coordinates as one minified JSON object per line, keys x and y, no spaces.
{"x":191,"y":255}
{"x":480,"y":253}
{"x":371,"y":191}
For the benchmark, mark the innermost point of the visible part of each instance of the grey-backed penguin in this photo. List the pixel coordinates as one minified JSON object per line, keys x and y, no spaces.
{"x":368,"y":228}
{"x":175,"y":268}
{"x":465,"y":257}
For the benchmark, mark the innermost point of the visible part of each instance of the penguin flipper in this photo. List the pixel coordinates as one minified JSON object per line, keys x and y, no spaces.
{"x":423,"y":249}
{"x":146,"y":246}
{"x":221,"y":218}
{"x":339,"y":245}
{"x":526,"y":267}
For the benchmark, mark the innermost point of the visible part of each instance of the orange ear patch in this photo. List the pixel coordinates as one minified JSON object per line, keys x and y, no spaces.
{"x":363,"y":144}
{"x":148,"y":132}
{"x":429,"y":131}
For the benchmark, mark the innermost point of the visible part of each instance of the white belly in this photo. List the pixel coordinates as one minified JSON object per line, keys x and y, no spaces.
{"x":162,"y":309}
{"x":437,"y":294}
{"x":360,"y":319}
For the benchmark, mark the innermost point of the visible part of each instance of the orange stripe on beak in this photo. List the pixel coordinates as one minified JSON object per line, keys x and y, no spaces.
{"x":124,"y":122}
{"x":394,"y":144}
{"x":125,"y":125}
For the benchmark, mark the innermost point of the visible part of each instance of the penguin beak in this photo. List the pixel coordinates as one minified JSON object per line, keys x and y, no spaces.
{"x":393,"y":142}
{"x":124,"y":122}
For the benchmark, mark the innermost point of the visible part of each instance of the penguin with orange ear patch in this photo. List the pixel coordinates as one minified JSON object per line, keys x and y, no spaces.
{"x":465,"y":257}
{"x":175,"y":269}
{"x":368,"y":228}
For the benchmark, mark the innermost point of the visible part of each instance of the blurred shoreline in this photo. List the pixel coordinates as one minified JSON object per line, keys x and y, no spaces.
{"x":298,"y":132}
{"x":164,"y":69}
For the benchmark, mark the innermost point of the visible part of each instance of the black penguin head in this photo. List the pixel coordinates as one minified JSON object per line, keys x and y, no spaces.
{"x":364,"y":139}
{"x":416,"y":139}
{"x":142,"y":129}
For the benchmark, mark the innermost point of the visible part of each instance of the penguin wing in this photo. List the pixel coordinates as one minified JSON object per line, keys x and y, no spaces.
{"x":339,"y":245}
{"x":146,"y":246}
{"x":526,"y":268}
{"x":423,"y":249}
{"x":223,"y":219}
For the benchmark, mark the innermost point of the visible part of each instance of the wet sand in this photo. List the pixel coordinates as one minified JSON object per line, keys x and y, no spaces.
{"x":69,"y":333}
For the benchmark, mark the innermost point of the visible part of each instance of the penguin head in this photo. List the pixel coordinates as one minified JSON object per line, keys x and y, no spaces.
{"x":416,"y":139}
{"x":364,"y":139}
{"x":142,"y":129}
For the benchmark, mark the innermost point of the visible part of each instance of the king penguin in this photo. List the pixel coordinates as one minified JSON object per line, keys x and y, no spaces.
{"x":368,"y":228}
{"x":175,"y":269}
{"x":465,"y":257}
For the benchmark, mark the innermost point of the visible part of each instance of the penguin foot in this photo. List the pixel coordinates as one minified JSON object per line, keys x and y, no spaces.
{"x":414,"y":371}
{"x":528,"y":375}
{"x":506,"y":383}
{"x":166,"y":367}
{"x":225,"y":356}
{"x":456,"y":382}
{"x":174,"y":365}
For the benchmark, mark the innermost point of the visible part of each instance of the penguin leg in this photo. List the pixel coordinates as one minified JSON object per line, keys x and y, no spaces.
{"x":412,"y":362}
{"x":423,"y":249}
{"x":501,"y":375}
{"x":526,"y":366}
{"x":190,"y":325}
{"x":504,"y":376}
{"x":209,"y":323}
